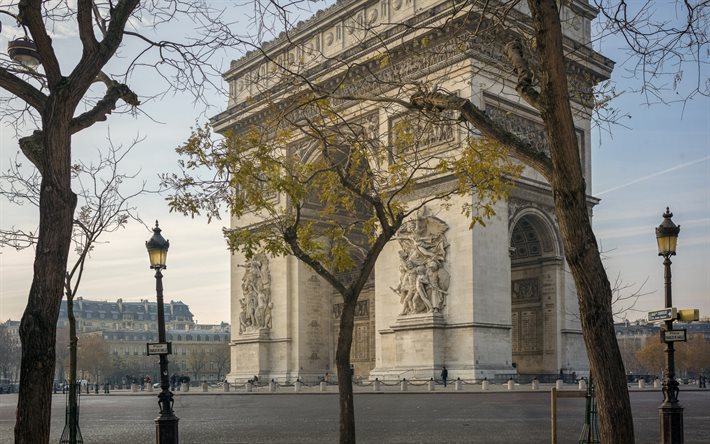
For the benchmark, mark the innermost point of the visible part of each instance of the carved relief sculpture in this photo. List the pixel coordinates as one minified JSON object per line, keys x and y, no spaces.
{"x":423,"y":279}
{"x":256,"y":302}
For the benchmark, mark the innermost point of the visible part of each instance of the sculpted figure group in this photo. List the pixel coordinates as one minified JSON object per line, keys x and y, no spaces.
{"x":423,"y":279}
{"x":256,"y":302}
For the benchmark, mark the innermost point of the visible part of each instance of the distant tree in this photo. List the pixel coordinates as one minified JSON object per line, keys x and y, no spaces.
{"x":63,"y":352}
{"x":221,"y":358}
{"x":197,"y":360}
{"x":628,"y":351}
{"x":94,"y":357}
{"x":9,"y":354}
{"x":693,"y":357}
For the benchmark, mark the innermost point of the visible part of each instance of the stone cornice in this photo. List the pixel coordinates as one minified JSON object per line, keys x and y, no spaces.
{"x":312,"y":60}
{"x":327,"y":17}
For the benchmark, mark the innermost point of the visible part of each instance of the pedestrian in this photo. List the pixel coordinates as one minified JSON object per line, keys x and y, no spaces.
{"x":444,"y":374}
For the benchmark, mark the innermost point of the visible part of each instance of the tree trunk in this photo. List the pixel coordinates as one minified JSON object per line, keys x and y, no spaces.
{"x":342,"y":362}
{"x":39,"y":321}
{"x":581,"y":250}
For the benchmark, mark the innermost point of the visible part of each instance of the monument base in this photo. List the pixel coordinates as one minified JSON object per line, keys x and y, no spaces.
{"x":416,"y":348}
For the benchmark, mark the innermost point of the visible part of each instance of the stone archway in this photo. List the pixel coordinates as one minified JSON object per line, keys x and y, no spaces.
{"x":535,"y":266}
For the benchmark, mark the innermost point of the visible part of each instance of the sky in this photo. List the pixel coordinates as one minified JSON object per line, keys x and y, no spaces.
{"x":659,"y":158}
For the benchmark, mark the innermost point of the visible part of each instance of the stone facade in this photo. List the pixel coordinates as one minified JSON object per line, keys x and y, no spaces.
{"x":488,"y":302}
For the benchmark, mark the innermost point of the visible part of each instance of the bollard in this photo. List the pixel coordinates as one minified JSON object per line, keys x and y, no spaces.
{"x":272,"y":386}
{"x":656,"y":383}
{"x":204,"y":386}
{"x":149,"y":386}
{"x":225,"y":387}
{"x":642,"y":383}
{"x":376,"y":385}
{"x":134,"y":387}
{"x":403,"y":385}
{"x":535,"y":384}
{"x":323,"y":386}
{"x":511,"y":384}
{"x":558,"y":384}
{"x":583,"y":384}
{"x":430,"y":385}
{"x":249,"y":387}
{"x":297,"y":386}
{"x":185,"y":387}
{"x":484,"y":385}
{"x":457,"y":385}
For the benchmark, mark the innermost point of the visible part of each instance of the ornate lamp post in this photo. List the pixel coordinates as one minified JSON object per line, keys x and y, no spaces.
{"x":166,"y":425}
{"x":670,"y":411}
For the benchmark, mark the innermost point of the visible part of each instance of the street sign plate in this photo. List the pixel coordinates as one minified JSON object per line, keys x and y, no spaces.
{"x":673,"y":335}
{"x":159,"y":348}
{"x":666,"y":314}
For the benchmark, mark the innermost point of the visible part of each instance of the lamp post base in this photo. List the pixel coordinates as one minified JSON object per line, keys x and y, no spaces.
{"x":166,"y":429}
{"x":671,"y":423}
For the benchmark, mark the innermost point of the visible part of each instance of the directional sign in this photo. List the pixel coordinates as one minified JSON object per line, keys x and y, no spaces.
{"x":673,"y":335}
{"x":666,"y":314}
{"x":159,"y":348}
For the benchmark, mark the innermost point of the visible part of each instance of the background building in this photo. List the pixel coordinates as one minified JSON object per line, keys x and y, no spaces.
{"x":113,"y":337}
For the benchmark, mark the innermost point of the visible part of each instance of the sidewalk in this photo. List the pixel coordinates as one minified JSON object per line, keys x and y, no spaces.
{"x":414,"y":386}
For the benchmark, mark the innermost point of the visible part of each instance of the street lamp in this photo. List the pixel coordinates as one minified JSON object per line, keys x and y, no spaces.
{"x":22,"y":50}
{"x":670,"y":411}
{"x":166,"y":425}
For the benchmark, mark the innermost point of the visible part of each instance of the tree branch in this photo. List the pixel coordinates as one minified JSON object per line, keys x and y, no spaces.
{"x":30,"y":15}
{"x":469,"y":112}
{"x":106,"y":105}
{"x":23,"y":90}
{"x":86,"y":29}
{"x":515,"y":53}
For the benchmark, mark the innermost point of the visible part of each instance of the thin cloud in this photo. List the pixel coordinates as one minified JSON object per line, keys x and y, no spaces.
{"x":652,"y":175}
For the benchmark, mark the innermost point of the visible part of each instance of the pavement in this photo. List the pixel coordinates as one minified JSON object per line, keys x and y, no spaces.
{"x":495,"y":416}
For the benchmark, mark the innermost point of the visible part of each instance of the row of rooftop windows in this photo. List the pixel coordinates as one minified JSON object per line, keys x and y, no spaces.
{"x":140,"y":317}
{"x":170,"y":337}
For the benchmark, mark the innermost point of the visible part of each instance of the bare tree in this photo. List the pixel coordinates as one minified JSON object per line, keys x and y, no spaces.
{"x":9,"y":354}
{"x":197,"y":361}
{"x":93,"y":356}
{"x":59,"y":100}
{"x":105,"y":207}
{"x":667,"y":45}
{"x":221,"y":359}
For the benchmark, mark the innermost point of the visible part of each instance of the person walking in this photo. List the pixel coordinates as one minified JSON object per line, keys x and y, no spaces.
{"x":444,"y":374}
